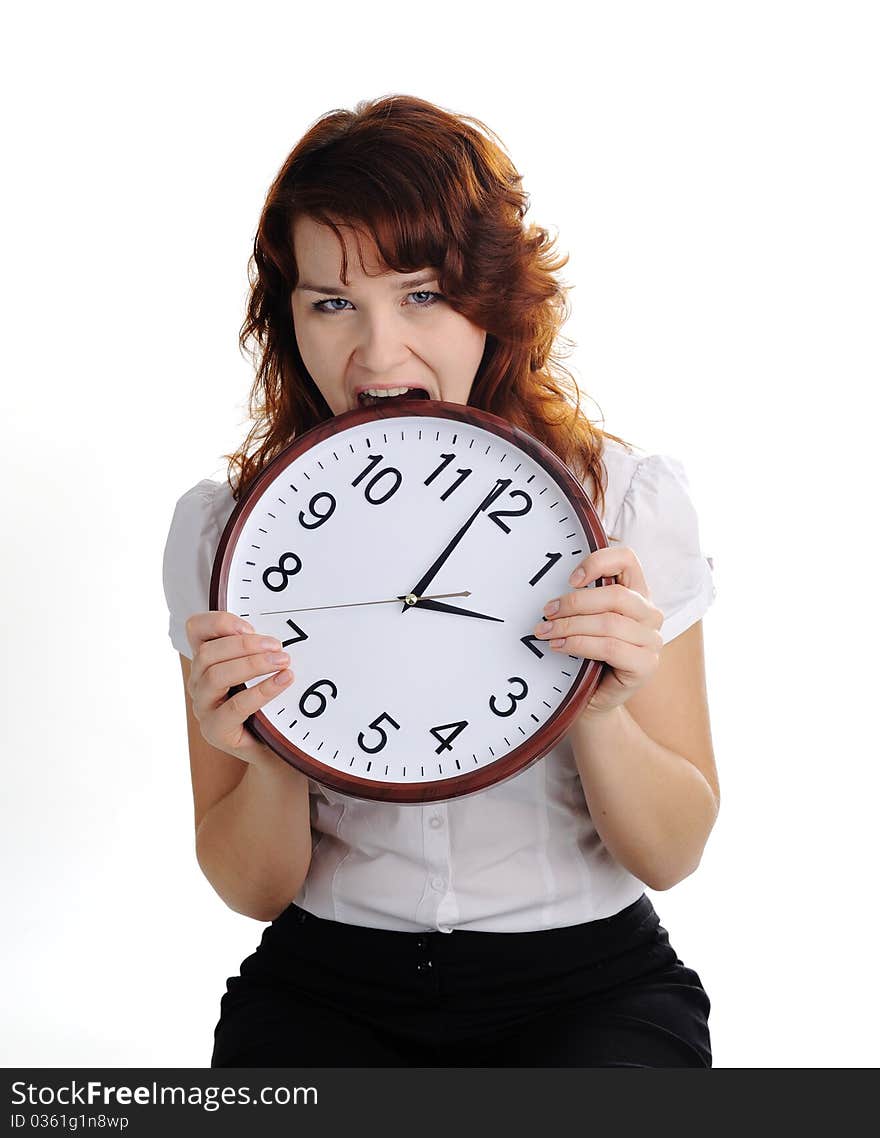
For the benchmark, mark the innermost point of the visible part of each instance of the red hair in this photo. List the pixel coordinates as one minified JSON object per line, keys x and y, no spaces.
{"x":432,"y":189}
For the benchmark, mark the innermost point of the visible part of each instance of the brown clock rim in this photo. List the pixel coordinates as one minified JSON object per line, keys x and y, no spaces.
{"x":548,"y":734}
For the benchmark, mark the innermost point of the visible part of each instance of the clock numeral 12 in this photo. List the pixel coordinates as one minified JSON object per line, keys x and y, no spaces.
{"x":496,"y":515}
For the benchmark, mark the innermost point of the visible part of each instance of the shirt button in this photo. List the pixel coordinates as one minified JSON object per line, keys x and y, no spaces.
{"x":436,"y":822}
{"x":437,"y":883}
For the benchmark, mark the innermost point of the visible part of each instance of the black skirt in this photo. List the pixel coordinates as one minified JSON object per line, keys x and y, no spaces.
{"x":606,"y":993}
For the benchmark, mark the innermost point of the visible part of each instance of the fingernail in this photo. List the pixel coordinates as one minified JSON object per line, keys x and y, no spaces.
{"x":283,"y":678}
{"x":544,"y":627}
{"x":577,"y":577}
{"x":551,"y":607}
{"x":243,"y":626}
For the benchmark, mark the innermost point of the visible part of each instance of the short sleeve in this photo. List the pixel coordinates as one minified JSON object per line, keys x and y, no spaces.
{"x":193,"y":538}
{"x":658,"y":521}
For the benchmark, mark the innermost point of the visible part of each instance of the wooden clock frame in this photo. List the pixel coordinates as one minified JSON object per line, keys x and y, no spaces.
{"x":522,"y":756}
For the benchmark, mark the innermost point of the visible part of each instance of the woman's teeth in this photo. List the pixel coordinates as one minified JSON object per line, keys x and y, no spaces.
{"x":385,"y":391}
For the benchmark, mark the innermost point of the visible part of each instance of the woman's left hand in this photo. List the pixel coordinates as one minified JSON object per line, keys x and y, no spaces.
{"x":617,"y":624}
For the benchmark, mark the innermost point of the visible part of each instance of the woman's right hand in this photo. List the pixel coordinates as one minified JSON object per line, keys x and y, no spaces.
{"x":227,"y":652}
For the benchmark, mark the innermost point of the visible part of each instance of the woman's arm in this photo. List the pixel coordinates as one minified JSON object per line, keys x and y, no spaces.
{"x":253,"y":834}
{"x":254,"y":845}
{"x":648,"y":770}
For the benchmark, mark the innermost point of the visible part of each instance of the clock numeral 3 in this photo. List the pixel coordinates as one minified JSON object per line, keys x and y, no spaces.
{"x":315,"y":513}
{"x":446,"y":743}
{"x":319,"y":695}
{"x":514,"y":699}
{"x":396,"y":477}
{"x":283,"y":570}
{"x":497,"y":515}
{"x":376,"y":727}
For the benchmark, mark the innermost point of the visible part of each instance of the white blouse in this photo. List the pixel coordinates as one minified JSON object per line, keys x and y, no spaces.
{"x":517,"y":857}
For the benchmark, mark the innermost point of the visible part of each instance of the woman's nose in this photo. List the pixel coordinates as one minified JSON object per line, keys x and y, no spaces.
{"x":381,"y":344}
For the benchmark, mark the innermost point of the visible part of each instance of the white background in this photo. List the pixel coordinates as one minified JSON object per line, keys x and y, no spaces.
{"x":712,"y":169}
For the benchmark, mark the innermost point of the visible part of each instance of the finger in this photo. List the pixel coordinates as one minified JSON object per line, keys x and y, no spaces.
{"x":217,"y":679}
{"x":603,"y":625}
{"x":233,"y":712}
{"x":626,"y":659}
{"x":611,"y":561}
{"x":202,"y":626}
{"x":219,"y":638}
{"x":613,"y":598}
{"x":234,"y":647}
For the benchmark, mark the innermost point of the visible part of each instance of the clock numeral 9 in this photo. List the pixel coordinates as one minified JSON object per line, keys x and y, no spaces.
{"x":514,"y":699}
{"x":396,"y":477}
{"x":315,"y":513}
{"x":283,"y":570}
{"x":376,"y":727}
{"x":319,"y":695}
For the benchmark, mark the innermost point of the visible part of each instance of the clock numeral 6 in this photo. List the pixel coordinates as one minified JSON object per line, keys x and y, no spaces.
{"x":319,"y":695}
{"x":514,"y":699}
{"x":281,"y":568}
{"x":376,"y":727}
{"x":396,"y":478}
{"x":446,"y":744}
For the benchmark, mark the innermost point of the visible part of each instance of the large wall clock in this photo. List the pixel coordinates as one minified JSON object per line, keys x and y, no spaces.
{"x":403,"y":555}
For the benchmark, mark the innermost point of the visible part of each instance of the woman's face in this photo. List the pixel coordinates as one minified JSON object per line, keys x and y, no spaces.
{"x":386,"y":329}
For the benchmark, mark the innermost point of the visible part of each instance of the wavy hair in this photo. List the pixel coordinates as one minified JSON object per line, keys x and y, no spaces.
{"x":432,"y":189}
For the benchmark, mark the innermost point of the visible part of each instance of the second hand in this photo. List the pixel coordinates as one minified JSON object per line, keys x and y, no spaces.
{"x":411,"y":598}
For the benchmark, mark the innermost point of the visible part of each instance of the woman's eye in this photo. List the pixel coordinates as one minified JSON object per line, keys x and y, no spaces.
{"x":319,"y":304}
{"x":432,"y":299}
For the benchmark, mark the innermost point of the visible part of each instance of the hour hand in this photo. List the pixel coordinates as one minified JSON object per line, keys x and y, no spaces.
{"x":439,"y":606}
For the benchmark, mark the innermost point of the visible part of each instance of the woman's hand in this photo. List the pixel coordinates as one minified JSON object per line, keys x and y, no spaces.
{"x":617,"y":624}
{"x":226,"y":652}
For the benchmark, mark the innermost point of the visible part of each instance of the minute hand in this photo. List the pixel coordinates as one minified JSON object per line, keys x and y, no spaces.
{"x":500,"y":486}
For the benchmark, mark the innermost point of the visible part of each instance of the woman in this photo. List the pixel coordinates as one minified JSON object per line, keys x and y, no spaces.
{"x":509,"y":927}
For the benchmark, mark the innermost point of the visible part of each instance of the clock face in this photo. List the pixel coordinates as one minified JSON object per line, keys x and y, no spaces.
{"x":341,"y":548}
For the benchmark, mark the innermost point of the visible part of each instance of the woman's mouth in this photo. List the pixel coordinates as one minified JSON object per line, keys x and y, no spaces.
{"x":369,"y":398}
